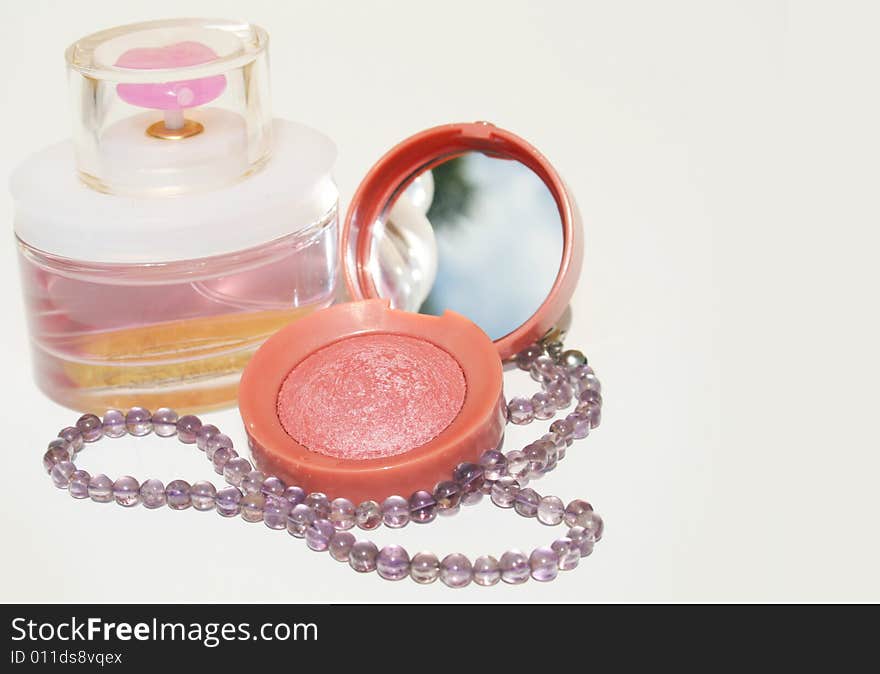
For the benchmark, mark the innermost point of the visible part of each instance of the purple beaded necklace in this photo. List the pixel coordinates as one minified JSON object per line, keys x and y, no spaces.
{"x":564,"y":377}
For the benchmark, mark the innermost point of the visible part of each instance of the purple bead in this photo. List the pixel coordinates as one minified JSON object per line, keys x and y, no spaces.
{"x":550,"y":452}
{"x":575,"y":510}
{"x":113,"y":425}
{"x":536,"y":455}
{"x":564,"y":429}
{"x":569,"y":554}
{"x":153,"y":494}
{"x":73,"y":436}
{"x":447,"y":494}
{"x":203,"y":495}
{"x":580,"y":373}
{"x":589,"y":397}
{"x":319,"y":502}
{"x":61,"y":473}
{"x":494,"y":464}
{"x":368,"y":515}
{"x":272,"y":486}
{"x":275,"y":511}
{"x":424,"y":568}
{"x":393,"y":563}
{"x":470,"y":498}
{"x":518,"y":466}
{"x":544,"y":564}
{"x":560,"y":394}
{"x":549,"y":442}
{"x":588,"y":402}
{"x":550,"y":510}
{"x":79,"y":484}
{"x":469,"y":476}
{"x":299,"y":519}
{"x":543,"y":405}
{"x":456,"y":570}
{"x":526,"y":502}
{"x":178,"y":492}
{"x":543,"y":369}
{"x":559,"y":445}
{"x":165,"y":422}
{"x":221,"y":457}
{"x":504,"y":492}
{"x":422,"y":507}
{"x":318,"y":535}
{"x":219,"y":441}
{"x":340,"y":545}
{"x":61,"y":443}
{"x":235,"y":470}
{"x":582,"y":540}
{"x":514,"y":567}
{"x":580,"y":425}
{"x":520,"y":411}
{"x":587,"y":381}
{"x":487,"y":571}
{"x":127,"y":491}
{"x":395,"y":512}
{"x":228,"y":500}
{"x":56,"y":453}
{"x":295,"y":495}
{"x":90,"y":427}
{"x":187,"y":428}
{"x":342,"y":514}
{"x":592,"y":524}
{"x":101,"y":488}
{"x":362,"y":556}
{"x":139,"y":421}
{"x":252,"y":507}
{"x":252,"y":483}
{"x":527,"y":357}
{"x":590,"y":410}
{"x":206,"y":433}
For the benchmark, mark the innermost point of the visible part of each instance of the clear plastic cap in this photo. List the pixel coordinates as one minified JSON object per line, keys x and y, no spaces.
{"x":170,"y":106}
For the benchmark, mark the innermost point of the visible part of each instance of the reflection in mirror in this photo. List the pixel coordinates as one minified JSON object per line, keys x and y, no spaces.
{"x":478,"y":235}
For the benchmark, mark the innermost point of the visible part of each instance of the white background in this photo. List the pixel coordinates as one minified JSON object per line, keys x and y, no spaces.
{"x":725,"y":157}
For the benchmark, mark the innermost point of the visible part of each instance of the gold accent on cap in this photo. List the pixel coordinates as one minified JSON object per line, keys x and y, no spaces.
{"x":189,"y":128}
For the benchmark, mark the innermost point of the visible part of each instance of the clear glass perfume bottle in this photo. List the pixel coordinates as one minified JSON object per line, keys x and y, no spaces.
{"x":179,"y":228}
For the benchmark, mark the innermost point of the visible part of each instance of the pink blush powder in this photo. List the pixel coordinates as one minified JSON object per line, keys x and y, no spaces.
{"x":371,"y":396}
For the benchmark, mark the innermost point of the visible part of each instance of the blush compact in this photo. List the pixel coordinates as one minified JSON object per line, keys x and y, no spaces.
{"x":384,"y":395}
{"x":366,"y":401}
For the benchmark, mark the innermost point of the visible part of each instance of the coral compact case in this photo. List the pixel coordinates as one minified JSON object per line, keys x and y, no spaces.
{"x":384,"y":395}
{"x":365,"y":401}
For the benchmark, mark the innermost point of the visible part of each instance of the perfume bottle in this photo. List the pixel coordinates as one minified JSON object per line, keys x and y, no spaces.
{"x":178,"y":228}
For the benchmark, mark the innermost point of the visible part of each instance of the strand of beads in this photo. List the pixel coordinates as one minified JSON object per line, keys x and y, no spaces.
{"x":565,"y":378}
{"x":324,"y":524}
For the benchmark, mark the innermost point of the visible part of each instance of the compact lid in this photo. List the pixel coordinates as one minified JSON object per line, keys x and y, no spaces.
{"x":472,"y":218}
{"x":170,"y":106}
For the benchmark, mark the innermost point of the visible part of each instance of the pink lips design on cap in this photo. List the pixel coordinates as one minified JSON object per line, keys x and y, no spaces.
{"x":170,"y":95}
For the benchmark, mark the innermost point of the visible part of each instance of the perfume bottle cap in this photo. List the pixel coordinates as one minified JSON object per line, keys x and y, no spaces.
{"x":170,"y":106}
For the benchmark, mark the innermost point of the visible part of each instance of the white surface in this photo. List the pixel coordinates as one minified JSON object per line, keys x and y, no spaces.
{"x":56,"y":213}
{"x":724,"y":156}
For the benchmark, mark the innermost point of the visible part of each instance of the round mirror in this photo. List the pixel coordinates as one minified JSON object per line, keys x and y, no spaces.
{"x":470,"y":218}
{"x":476,"y":234}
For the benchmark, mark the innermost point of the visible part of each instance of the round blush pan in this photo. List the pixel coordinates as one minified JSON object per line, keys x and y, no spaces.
{"x":371,"y":396}
{"x":363,"y":401}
